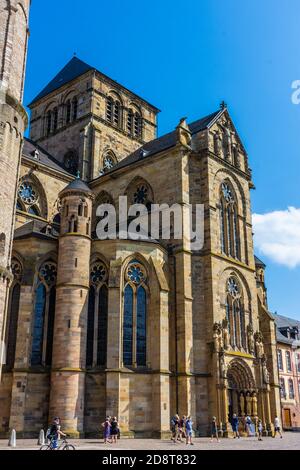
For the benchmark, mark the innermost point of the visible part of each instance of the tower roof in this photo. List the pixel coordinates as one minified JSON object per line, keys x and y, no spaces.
{"x":77,"y":185}
{"x":74,"y":68}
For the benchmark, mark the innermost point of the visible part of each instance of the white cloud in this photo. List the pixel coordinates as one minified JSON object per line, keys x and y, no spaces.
{"x":277,"y":236}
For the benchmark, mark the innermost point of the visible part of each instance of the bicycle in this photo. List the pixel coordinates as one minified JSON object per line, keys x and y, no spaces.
{"x":63,"y":445}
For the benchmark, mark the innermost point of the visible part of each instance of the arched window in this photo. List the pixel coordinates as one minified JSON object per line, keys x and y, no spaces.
{"x":48,"y":122}
{"x":108,"y":162}
{"x":55,"y":119}
{"x":282,"y":388}
{"x":44,"y":314}
{"x":137,"y":125}
{"x":291,"y":389}
{"x":229,"y":223}
{"x":29,"y":199}
{"x":109,"y":109}
{"x":235,"y":314}
{"x":135,"y":316}
{"x":130,"y":121}
{"x":71,"y":162}
{"x":117,"y":114}
{"x":68,"y":112}
{"x":13,"y":314}
{"x":96,"y":346}
{"x":75,"y":108}
{"x":288,"y":361}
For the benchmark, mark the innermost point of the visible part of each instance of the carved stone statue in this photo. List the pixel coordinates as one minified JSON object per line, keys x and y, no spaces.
{"x":250,"y":338}
{"x":242,"y":403}
{"x":254,"y":404}
{"x":217,"y":336}
{"x":225,"y":327}
{"x":265,"y":371}
{"x":227,"y":143}
{"x":259,"y":347}
{"x":248,"y":403}
{"x":184,"y":136}
{"x":217,"y":144}
{"x":223,"y":370}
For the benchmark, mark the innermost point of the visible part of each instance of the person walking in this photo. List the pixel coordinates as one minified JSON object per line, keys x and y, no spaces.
{"x":277,"y":427}
{"x":235,"y":426}
{"x":54,"y":433}
{"x":175,"y":428}
{"x":248,"y":425}
{"x":114,"y":430}
{"x":214,"y":430}
{"x":182,"y":428}
{"x":189,"y":431}
{"x":260,"y":430}
{"x":106,"y":430}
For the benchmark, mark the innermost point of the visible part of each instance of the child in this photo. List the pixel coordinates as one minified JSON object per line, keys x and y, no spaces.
{"x":189,"y":430}
{"x":214,"y":429}
{"x":260,"y":430}
{"x":106,"y":430}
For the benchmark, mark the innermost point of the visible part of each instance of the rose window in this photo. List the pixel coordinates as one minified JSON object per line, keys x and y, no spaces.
{"x":108,"y":163}
{"x":140,"y":195}
{"x":136,"y":273}
{"x":227,"y":193}
{"x":233,"y":287}
{"x":98,"y":273}
{"x":48,"y":273}
{"x":27,"y":193}
{"x":16,"y":269}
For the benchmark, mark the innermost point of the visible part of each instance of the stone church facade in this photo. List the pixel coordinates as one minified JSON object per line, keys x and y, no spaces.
{"x":139,"y":329}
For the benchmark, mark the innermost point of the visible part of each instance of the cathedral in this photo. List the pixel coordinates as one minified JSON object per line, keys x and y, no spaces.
{"x":138,"y":329}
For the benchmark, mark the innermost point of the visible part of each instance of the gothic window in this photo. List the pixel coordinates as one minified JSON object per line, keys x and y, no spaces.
{"x":48,"y":122}
{"x":75,"y":108}
{"x":96,"y":347}
{"x":44,"y":314}
{"x":117,"y":114}
{"x":109,"y":109}
{"x":291,"y":389}
{"x":55,"y":119}
{"x":68,"y":111}
{"x":71,"y":162}
{"x":279,"y":359}
{"x":130,"y":121}
{"x":235,"y":314}
{"x":29,"y":199}
{"x":137,"y":125}
{"x":108,"y":163}
{"x":13,"y":313}
{"x":141,"y":194}
{"x":282,"y":388}
{"x":288,"y":361}
{"x":229,"y":224}
{"x":135,"y":316}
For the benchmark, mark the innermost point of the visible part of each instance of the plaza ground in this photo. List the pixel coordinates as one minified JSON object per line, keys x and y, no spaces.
{"x":290,"y":441}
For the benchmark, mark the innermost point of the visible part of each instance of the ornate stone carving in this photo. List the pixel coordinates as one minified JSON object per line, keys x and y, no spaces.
{"x":217,"y":337}
{"x":254,"y":404}
{"x":184,"y":136}
{"x":242,"y":403}
{"x":250,"y":338}
{"x":223,"y":369}
{"x":248,"y":403}
{"x":259,"y":347}
{"x":266,"y":375}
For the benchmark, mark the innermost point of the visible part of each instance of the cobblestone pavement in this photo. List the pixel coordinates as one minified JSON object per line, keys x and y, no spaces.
{"x":290,"y":441}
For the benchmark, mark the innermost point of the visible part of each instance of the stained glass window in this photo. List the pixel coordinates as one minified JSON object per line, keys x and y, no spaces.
{"x":135,"y":273}
{"x":27,"y":193}
{"x":128,"y":326}
{"x":141,"y":327}
{"x":50,"y":327}
{"x":102,"y":327}
{"x":12,"y":325}
{"x":229,"y":222}
{"x":141,"y":194}
{"x":39,"y":314}
{"x":90,"y":328}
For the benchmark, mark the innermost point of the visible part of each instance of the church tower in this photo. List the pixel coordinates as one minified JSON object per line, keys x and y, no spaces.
{"x":69,"y":343}
{"x":13,"y":121}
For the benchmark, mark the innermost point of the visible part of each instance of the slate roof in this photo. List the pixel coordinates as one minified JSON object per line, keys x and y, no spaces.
{"x":259,"y":262}
{"x":44,"y":157}
{"x":74,"y":69}
{"x":165,"y":142}
{"x":33,"y":228}
{"x":284,"y":322}
{"x":77,"y":185}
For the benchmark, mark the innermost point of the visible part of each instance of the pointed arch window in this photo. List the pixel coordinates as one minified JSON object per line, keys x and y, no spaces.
{"x":235,"y":314}
{"x":96,"y":346}
{"x":135,"y":316}
{"x":48,"y":122}
{"x":44,"y":314}
{"x":55,"y":119}
{"x":229,"y":222}
{"x":75,"y":108}
{"x":68,"y":112}
{"x":13,"y":314}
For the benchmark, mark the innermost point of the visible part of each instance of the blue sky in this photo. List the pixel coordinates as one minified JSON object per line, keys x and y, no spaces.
{"x":185,"y":58}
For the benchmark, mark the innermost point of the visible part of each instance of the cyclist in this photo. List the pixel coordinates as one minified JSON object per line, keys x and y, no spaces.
{"x":54,"y":433}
